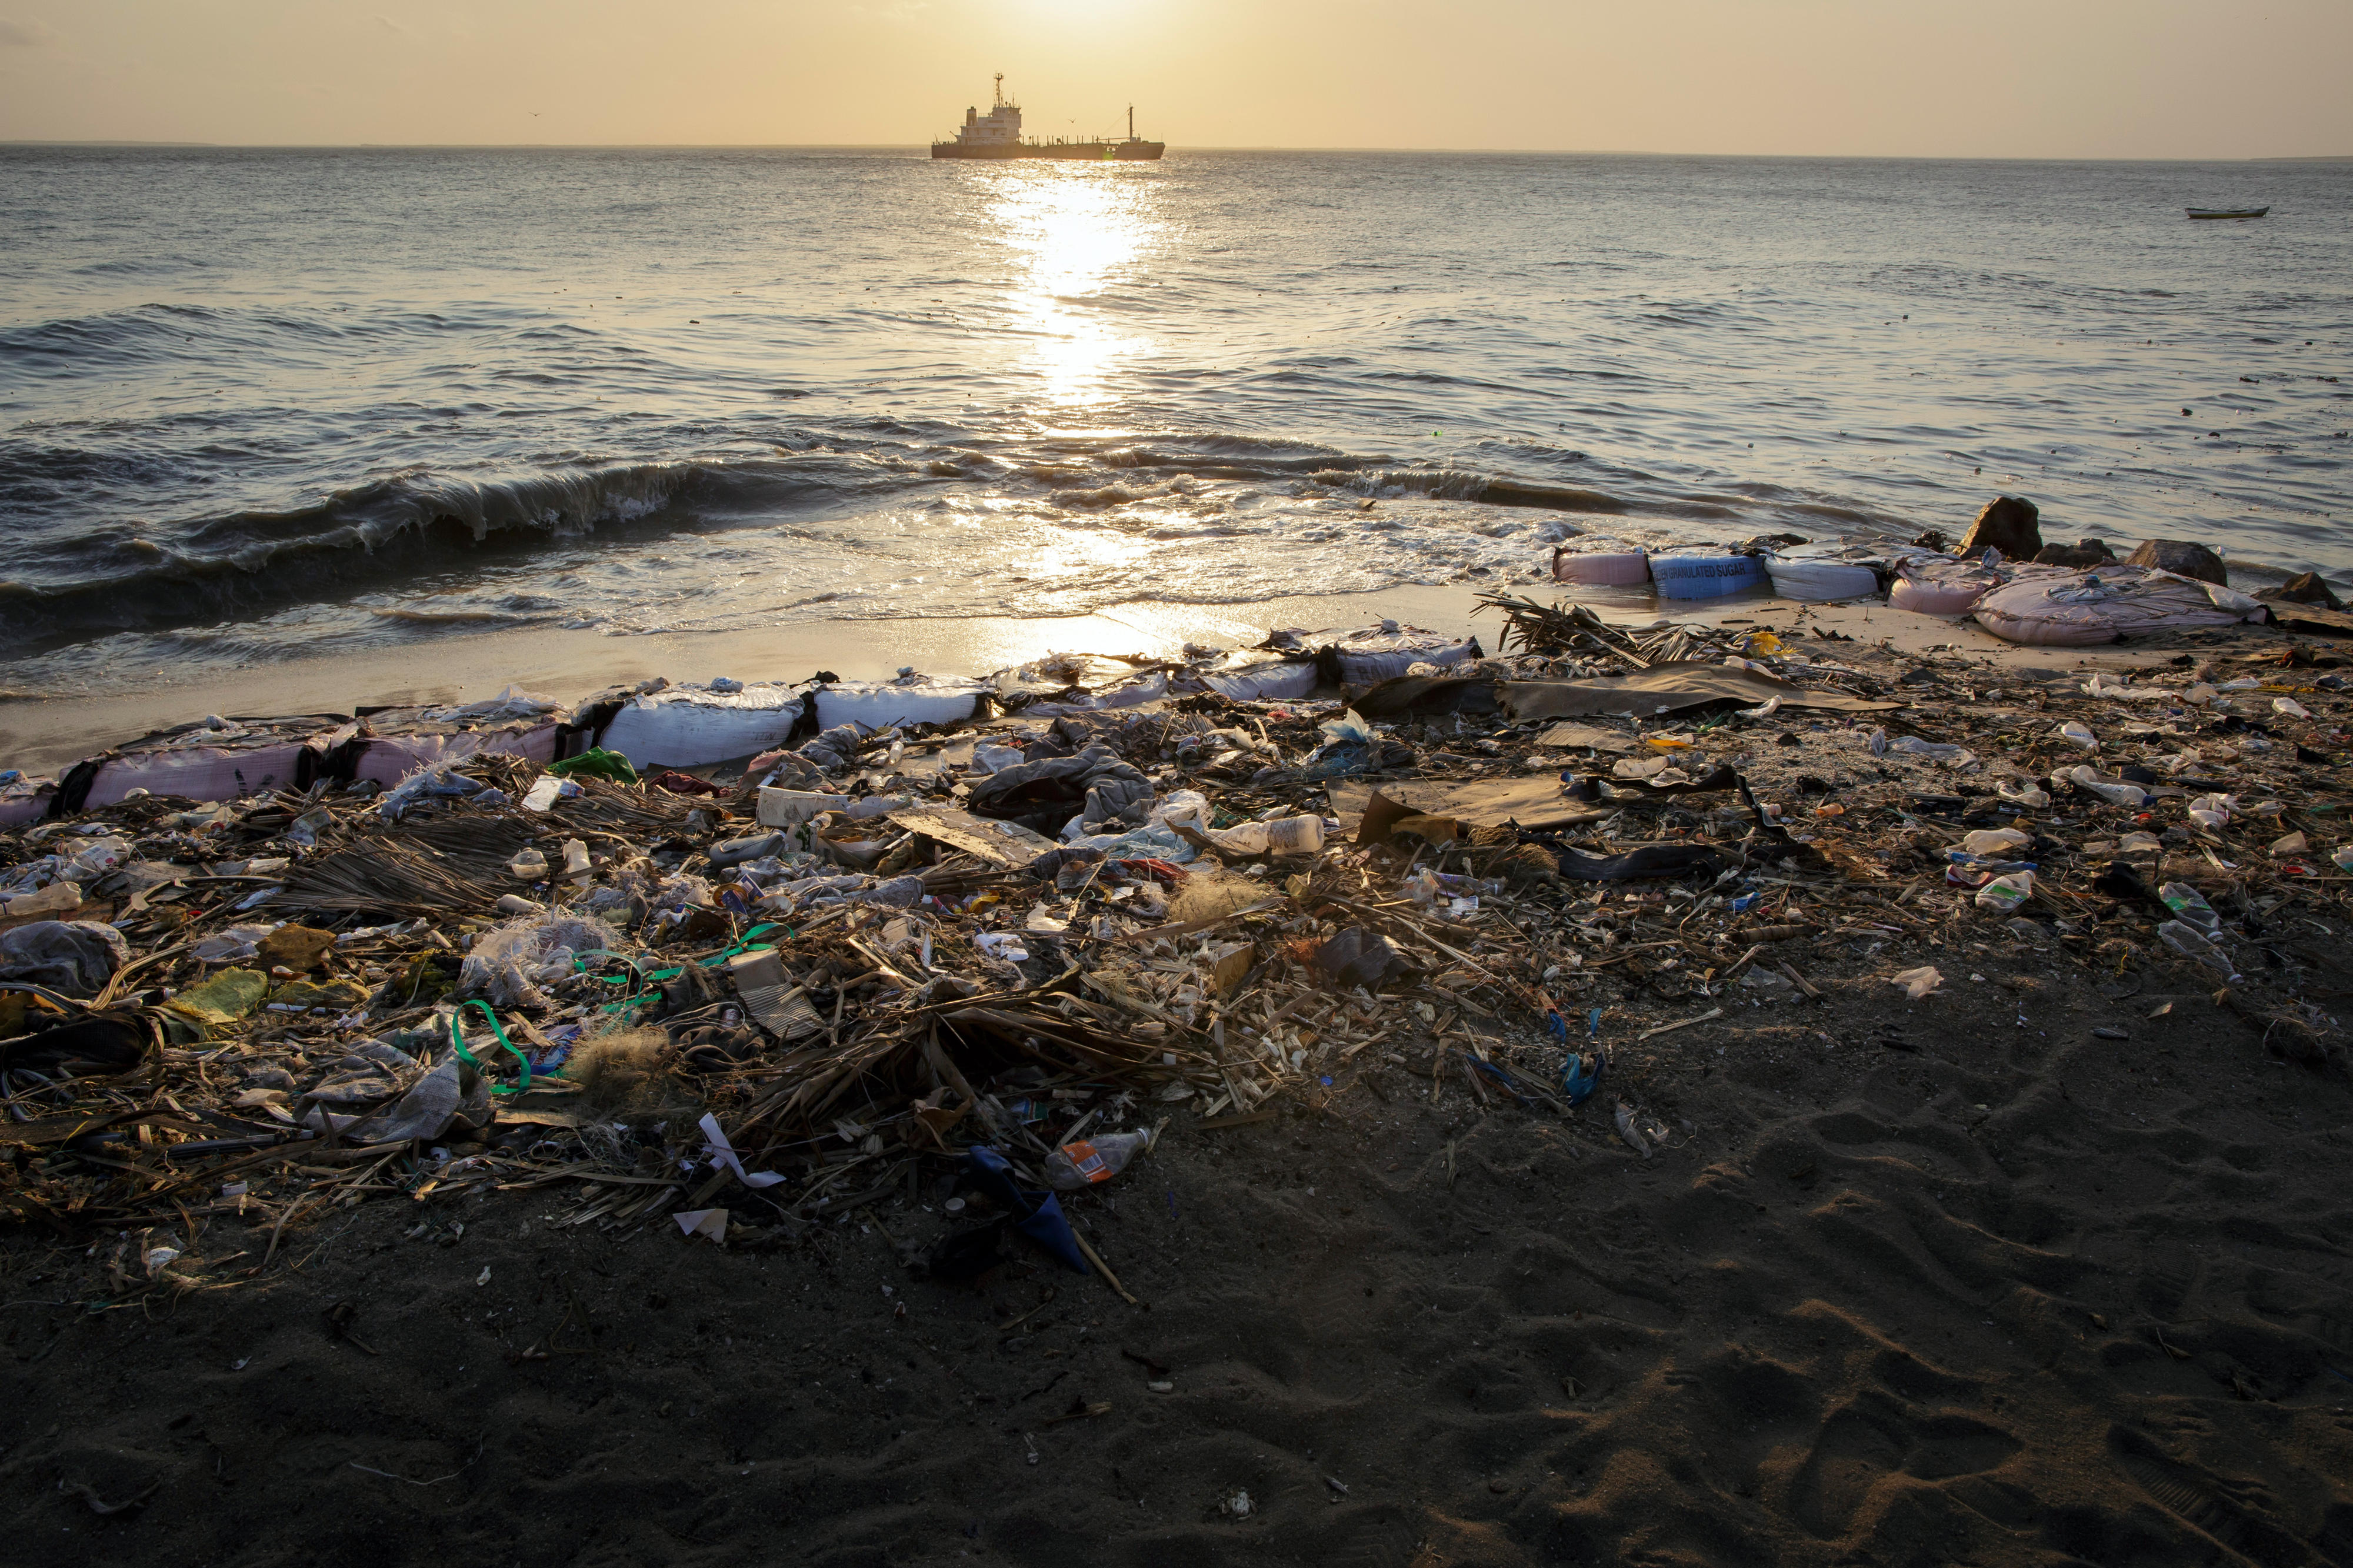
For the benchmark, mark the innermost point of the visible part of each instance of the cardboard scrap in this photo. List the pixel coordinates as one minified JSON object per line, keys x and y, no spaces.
{"x":1006,"y":843}
{"x":1528,"y":802}
{"x":1668,"y":689}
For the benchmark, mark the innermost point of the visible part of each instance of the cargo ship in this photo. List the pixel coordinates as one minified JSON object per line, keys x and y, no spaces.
{"x":998,"y":134}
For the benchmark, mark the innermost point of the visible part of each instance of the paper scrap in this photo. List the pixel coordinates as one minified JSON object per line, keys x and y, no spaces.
{"x":720,"y":1150}
{"x":711,"y":1223}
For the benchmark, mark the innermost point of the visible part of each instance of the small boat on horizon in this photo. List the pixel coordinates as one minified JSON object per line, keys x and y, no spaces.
{"x":998,"y":134}
{"x":2226,"y":212}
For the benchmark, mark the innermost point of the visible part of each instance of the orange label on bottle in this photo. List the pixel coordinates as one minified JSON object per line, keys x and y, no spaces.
{"x":1086,"y":1162}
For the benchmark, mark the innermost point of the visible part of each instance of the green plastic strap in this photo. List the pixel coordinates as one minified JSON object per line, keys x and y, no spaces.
{"x":458,"y":1038}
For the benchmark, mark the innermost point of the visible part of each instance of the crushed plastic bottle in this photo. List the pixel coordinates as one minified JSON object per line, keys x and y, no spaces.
{"x":1283,"y":835}
{"x":2084,"y":779}
{"x":1426,"y":886}
{"x":1076,"y":1167}
{"x":576,"y":858}
{"x":2005,"y":893}
{"x":1993,"y":840}
{"x":2073,"y":733}
{"x":2022,"y":793}
{"x":2288,"y":707}
{"x":2211,"y":811}
{"x":2343,"y":858}
{"x":56,"y":899}
{"x":2192,"y":944}
{"x":2190,"y":907}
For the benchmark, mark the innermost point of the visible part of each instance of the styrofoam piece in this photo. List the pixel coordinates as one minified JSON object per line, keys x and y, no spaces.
{"x":1938,"y":587}
{"x":199,"y":773}
{"x":688,"y":726}
{"x":1602,"y":568}
{"x":1262,"y":680}
{"x":1797,"y":577}
{"x":2057,"y":607}
{"x":791,"y":808}
{"x":1706,"y":577}
{"x":880,"y":704}
{"x":388,"y":758}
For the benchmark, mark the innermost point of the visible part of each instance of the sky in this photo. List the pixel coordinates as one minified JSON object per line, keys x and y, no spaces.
{"x":2031,"y":79}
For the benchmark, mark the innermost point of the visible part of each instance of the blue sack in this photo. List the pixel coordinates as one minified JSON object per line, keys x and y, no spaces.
{"x":1038,"y":1215}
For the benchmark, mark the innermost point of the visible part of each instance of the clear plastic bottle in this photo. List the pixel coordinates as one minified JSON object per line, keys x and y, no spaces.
{"x":1075,"y":1167}
{"x":2190,"y":908}
{"x":1283,"y":835}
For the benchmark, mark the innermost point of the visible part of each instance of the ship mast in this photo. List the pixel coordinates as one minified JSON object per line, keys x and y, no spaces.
{"x":1000,"y":102}
{"x":1131,"y":122}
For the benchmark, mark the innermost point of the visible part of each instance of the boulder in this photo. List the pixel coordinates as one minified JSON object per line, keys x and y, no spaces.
{"x":2304,"y":588}
{"x":2008,"y":524}
{"x":2082,"y":554}
{"x":2181,"y":558}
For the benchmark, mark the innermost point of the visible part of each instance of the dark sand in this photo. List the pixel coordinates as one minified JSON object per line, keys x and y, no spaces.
{"x":2019,"y":1295}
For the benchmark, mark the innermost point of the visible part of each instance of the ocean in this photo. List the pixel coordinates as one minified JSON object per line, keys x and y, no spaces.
{"x":259,"y":404}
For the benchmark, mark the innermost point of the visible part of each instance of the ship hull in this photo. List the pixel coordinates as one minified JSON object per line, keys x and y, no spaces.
{"x":1081,"y":152}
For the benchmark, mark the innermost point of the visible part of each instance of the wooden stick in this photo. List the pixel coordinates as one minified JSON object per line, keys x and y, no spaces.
{"x":1105,"y":1269}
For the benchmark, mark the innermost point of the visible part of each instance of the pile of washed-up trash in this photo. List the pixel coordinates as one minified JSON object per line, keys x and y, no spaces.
{"x":746,"y":958}
{"x":2001,"y":575}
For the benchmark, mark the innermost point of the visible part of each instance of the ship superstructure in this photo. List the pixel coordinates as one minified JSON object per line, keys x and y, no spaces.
{"x":998,"y":134}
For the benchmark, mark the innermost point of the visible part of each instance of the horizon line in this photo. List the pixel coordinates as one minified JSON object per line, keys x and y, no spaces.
{"x":1199,"y":147}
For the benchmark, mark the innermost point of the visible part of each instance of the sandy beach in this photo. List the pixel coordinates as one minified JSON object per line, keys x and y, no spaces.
{"x":1956,"y":1281}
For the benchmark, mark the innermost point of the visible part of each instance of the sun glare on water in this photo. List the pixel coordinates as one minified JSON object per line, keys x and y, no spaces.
{"x":1079,"y":234}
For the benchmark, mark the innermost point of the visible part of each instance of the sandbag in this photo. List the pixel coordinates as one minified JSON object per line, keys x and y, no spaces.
{"x":1262,"y":680}
{"x":1387,"y":651}
{"x":1706,"y":577}
{"x":2052,"y":607}
{"x":387,"y":759}
{"x":689,"y":726}
{"x":911,"y":699}
{"x":1601,"y":568}
{"x":1798,"y":577}
{"x":1938,"y":586}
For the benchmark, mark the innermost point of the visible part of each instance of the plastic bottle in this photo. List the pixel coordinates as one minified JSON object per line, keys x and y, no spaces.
{"x":2084,"y":779}
{"x":2023,"y":792}
{"x":1994,"y":841}
{"x":576,"y":858}
{"x":530,"y":866}
{"x":2005,"y":893}
{"x":1075,"y":1167}
{"x":2210,"y":811}
{"x":2343,"y":858}
{"x":1426,"y":886}
{"x":2191,"y":943}
{"x":2190,"y":908}
{"x":2073,"y":733}
{"x":56,"y":899}
{"x":1283,"y":835}
{"x":735,"y":851}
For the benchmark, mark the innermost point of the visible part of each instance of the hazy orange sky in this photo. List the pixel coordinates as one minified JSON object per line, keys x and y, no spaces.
{"x":2120,"y":79}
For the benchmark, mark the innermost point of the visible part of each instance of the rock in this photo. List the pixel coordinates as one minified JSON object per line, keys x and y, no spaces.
{"x":2082,"y":553}
{"x":2305,"y":588}
{"x":2181,"y":558}
{"x":2008,"y":524}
